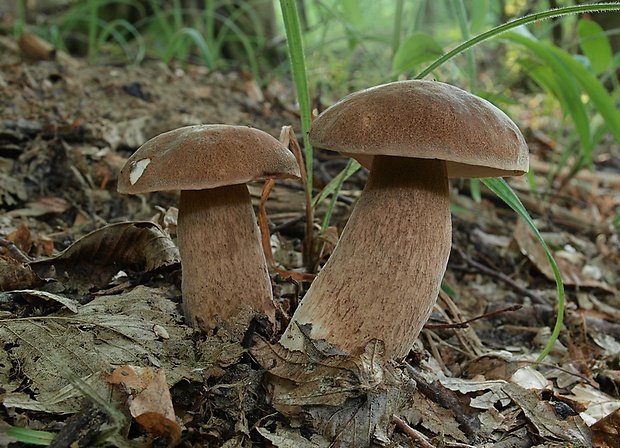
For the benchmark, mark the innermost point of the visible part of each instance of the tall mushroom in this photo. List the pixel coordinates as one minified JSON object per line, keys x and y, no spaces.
{"x":224,"y":268}
{"x":383,"y":277}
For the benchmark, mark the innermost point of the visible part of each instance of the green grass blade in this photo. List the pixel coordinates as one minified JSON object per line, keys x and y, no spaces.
{"x":461,"y":14}
{"x":112,"y":29}
{"x":332,"y":186}
{"x":161,"y":20}
{"x":242,"y":38}
{"x":565,"y":87}
{"x":20,"y":23}
{"x":479,"y":11}
{"x":351,"y":31}
{"x":176,"y":47}
{"x":352,"y":167}
{"x":397,"y":29}
{"x":93,"y":18}
{"x":298,"y":67}
{"x":578,"y":9}
{"x":29,"y":436}
{"x":595,"y":45}
{"x":503,"y":191}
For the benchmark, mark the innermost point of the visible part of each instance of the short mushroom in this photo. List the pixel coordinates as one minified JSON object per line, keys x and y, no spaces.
{"x":384,"y":275}
{"x":223,"y":265}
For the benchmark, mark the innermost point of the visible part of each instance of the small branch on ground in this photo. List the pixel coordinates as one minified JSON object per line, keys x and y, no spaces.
{"x":466,"y":323}
{"x":412,"y":433}
{"x":435,"y":391}
{"x":498,"y":275}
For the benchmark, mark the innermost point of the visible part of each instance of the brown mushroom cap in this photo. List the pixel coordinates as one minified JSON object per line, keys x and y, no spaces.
{"x":427,"y":120}
{"x":206,"y":156}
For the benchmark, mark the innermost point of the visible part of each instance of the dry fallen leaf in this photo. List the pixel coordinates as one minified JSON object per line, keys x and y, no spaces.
{"x":606,"y":432}
{"x":14,"y":275}
{"x":351,"y":399}
{"x":597,"y":404}
{"x":56,"y":352}
{"x":150,"y":402}
{"x":436,"y":419}
{"x":92,"y":261}
{"x":291,"y":438}
{"x":70,"y":304}
{"x":548,"y":424}
{"x":41,"y":206}
{"x":572,"y":274}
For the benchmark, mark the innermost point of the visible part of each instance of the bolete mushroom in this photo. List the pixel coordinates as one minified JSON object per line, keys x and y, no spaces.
{"x":223,"y":265}
{"x":383,"y":277}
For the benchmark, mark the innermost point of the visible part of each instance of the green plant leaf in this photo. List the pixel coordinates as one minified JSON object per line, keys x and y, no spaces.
{"x":479,"y":12}
{"x":417,"y":48}
{"x":300,"y":79}
{"x":504,"y":192}
{"x":29,"y":436}
{"x":559,"y":80}
{"x":595,"y":45}
{"x":177,"y":46}
{"x":333,"y":184}
{"x":353,"y":12}
{"x":496,"y":31}
{"x":597,"y":94}
{"x":352,"y":166}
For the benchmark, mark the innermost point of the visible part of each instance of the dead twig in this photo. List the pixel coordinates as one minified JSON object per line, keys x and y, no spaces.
{"x":436,"y":392}
{"x":288,"y":138}
{"x":498,"y":275}
{"x":412,"y":433}
{"x":15,"y":252}
{"x":465,"y":323}
{"x":263,"y":225}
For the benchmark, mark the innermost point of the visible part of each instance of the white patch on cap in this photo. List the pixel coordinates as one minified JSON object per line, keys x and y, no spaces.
{"x":137,"y":169}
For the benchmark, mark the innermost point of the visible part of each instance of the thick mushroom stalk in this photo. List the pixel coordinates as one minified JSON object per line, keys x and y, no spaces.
{"x":219,"y":240}
{"x":383,"y":277}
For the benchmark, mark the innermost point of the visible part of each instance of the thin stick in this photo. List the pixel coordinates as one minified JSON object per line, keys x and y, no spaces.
{"x":15,"y":251}
{"x":500,"y":276}
{"x":263,"y":225}
{"x":412,"y":433}
{"x":465,"y":323}
{"x":288,"y":138}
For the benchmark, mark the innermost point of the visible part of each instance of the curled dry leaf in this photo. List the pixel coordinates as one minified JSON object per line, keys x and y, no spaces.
{"x":93,"y":260}
{"x":58,"y":353}
{"x":284,"y":437}
{"x":14,"y":275}
{"x":606,"y":432}
{"x":150,"y":402}
{"x":572,"y":274}
{"x":350,"y":399}
{"x":68,"y":303}
{"x":548,"y":424}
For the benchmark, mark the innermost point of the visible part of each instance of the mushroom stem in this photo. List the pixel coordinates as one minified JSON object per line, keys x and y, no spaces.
{"x":218,"y":236}
{"x":383,"y":277}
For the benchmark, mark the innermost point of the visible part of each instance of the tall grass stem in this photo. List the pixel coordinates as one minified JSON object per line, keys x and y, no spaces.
{"x":577,"y":9}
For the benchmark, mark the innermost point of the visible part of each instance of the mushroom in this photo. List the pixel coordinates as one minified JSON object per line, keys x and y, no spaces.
{"x":383,"y":277}
{"x":223,"y":265}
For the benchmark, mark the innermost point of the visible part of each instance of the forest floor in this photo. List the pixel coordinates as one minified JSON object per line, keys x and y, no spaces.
{"x":90,"y":337}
